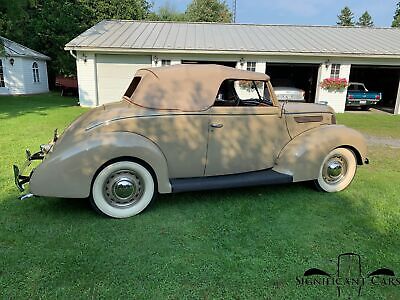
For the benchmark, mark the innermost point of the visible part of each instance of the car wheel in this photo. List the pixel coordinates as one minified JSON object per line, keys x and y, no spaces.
{"x":337,"y":170}
{"x":123,"y":189}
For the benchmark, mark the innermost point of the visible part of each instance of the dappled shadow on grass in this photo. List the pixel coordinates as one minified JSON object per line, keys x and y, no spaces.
{"x":227,"y":243}
{"x":14,"y":106}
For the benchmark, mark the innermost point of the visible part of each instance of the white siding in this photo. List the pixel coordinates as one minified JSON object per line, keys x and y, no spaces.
{"x":86,"y":71}
{"x":13,"y":77}
{"x":335,"y":99}
{"x":31,"y":87}
{"x":115,"y":73}
{"x":19,"y":77}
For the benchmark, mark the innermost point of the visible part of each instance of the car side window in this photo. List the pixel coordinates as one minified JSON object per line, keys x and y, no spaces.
{"x":243,"y":93}
{"x":132,"y":87}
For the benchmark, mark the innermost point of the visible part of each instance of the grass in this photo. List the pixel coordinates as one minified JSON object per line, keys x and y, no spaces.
{"x":377,"y":124}
{"x":245,"y":244}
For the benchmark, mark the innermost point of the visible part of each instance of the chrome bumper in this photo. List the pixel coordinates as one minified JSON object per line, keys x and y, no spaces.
{"x":20,"y":179}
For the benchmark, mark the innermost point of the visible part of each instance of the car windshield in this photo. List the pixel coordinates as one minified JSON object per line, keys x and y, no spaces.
{"x":243,"y":93}
{"x":251,"y":90}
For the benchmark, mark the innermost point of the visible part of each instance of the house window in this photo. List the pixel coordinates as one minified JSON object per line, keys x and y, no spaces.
{"x":335,"y":71}
{"x":165,"y":62}
{"x":35,"y":70}
{"x":251,"y":66}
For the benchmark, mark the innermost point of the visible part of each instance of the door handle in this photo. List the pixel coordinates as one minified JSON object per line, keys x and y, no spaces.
{"x":216,"y":125}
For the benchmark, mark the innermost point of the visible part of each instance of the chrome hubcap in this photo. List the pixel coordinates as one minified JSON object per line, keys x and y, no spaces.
{"x":123,"y":188}
{"x":335,"y":168}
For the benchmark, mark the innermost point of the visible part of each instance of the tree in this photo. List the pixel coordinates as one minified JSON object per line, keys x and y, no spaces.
{"x":47,"y":25}
{"x":346,"y":17}
{"x":396,"y":17}
{"x":167,"y":12}
{"x":365,"y":20}
{"x":208,"y":11}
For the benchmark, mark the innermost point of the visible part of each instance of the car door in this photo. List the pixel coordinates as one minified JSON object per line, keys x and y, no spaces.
{"x":243,"y":138}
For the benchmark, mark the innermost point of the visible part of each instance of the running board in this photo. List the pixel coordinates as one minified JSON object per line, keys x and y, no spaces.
{"x":264,"y":177}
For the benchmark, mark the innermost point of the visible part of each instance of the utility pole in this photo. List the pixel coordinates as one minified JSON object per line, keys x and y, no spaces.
{"x":234,"y":11}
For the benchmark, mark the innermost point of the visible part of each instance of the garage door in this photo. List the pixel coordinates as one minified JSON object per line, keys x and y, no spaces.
{"x":115,"y":72}
{"x":297,"y":75}
{"x":381,"y":79}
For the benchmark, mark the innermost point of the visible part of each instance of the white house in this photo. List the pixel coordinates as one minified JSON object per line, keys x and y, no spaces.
{"x":22,"y":70}
{"x":108,"y":55}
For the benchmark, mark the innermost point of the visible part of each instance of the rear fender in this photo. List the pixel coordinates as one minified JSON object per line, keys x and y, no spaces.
{"x":302,"y":157}
{"x":68,"y":171}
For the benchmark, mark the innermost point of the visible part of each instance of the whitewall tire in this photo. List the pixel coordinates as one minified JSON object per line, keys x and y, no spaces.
{"x":337,"y":170}
{"x":123,"y":189}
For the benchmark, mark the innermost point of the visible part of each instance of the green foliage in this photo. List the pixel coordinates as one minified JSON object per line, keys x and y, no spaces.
{"x":167,"y":12}
{"x":365,"y":20}
{"x":47,"y":25}
{"x":208,"y":11}
{"x":396,"y":17}
{"x":346,"y":17}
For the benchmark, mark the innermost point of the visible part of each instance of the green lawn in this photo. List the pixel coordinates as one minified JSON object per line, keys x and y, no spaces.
{"x":377,"y":124}
{"x":249,"y":243}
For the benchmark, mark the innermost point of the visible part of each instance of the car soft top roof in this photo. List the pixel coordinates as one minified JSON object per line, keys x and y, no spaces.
{"x":185,"y":87}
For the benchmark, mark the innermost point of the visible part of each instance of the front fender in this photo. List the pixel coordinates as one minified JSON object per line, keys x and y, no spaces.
{"x":68,"y":171}
{"x":302,"y":157}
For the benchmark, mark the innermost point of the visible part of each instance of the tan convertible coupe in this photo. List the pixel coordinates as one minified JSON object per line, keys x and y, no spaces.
{"x":189,"y":128}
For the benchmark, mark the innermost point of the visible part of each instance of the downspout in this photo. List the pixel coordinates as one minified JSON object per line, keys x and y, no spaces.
{"x":72,"y":54}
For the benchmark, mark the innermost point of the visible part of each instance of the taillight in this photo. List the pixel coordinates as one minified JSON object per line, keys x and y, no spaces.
{"x":351,"y":97}
{"x":378,"y":97}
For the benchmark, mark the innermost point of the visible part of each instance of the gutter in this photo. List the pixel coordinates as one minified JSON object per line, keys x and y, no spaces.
{"x":230,"y":52}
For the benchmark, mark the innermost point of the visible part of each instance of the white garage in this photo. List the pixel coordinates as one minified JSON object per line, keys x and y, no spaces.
{"x":115,"y":72}
{"x":109,"y":54}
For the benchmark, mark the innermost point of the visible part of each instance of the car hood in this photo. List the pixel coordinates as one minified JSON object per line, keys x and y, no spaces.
{"x":296,"y":108}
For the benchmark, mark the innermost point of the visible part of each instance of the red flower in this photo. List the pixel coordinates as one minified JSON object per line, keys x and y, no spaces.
{"x":334,"y":83}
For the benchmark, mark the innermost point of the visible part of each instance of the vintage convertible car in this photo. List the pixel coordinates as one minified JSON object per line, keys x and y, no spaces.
{"x":189,"y":128}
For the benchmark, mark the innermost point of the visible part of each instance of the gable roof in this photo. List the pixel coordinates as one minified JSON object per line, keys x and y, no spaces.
{"x":14,"y":49}
{"x":142,"y":36}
